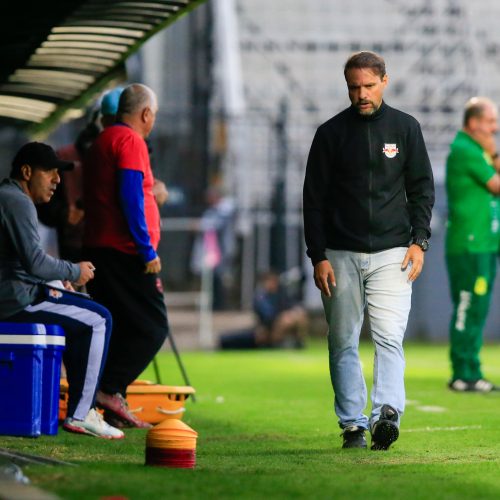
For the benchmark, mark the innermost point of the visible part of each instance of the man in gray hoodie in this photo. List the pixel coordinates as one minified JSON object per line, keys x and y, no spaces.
{"x":28,"y":293}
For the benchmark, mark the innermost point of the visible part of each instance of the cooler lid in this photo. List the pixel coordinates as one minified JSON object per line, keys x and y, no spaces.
{"x":22,"y":334}
{"x":22,"y":328}
{"x":55,"y":330}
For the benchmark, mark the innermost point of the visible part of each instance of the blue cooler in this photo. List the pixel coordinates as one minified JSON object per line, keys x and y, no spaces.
{"x":21,"y":363}
{"x":51,"y":377}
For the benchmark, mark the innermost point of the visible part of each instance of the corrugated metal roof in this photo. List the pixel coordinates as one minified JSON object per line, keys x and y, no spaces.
{"x":57,"y":55}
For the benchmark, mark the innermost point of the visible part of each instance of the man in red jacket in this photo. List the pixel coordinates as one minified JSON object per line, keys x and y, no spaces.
{"x":122,"y":232}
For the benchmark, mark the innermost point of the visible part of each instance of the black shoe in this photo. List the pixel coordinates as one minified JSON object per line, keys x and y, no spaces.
{"x":385,"y":430}
{"x":354,"y":437}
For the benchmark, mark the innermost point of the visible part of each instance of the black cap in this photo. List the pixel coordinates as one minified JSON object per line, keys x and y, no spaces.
{"x":39,"y":155}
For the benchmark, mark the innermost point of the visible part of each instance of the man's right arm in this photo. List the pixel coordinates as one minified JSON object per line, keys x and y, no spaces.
{"x":316,"y":185}
{"x":315,"y":198}
{"x":483,"y":173}
{"x":488,"y":143}
{"x":21,"y":224}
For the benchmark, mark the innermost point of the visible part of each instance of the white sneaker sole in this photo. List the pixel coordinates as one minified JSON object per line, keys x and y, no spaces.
{"x":81,"y":430}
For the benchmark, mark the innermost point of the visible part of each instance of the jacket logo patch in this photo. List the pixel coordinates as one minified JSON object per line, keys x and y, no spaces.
{"x":390,"y":150}
{"x":55,"y":294}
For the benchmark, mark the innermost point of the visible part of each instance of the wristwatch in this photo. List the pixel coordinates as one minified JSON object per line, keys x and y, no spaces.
{"x":423,"y":243}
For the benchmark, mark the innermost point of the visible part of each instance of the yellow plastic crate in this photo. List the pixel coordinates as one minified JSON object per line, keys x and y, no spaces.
{"x":148,"y":401}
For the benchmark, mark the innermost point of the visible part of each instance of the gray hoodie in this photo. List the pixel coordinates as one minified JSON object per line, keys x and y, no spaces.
{"x":24,"y":265}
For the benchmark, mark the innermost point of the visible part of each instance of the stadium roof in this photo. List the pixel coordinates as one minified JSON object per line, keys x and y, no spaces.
{"x":57,"y":55}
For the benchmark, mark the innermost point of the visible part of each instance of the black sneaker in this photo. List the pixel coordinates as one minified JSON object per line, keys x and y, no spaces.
{"x":354,"y":437}
{"x":385,"y":430}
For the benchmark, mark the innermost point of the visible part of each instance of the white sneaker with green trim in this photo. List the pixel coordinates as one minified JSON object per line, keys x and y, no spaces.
{"x":93,"y":425}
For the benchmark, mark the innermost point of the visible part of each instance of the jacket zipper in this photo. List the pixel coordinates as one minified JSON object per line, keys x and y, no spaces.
{"x":370,"y":187}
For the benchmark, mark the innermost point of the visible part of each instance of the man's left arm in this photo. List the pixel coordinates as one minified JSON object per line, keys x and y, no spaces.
{"x":131,"y":197}
{"x":419,"y":185}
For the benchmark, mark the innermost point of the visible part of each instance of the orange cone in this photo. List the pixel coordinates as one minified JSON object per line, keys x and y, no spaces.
{"x":171,"y":443}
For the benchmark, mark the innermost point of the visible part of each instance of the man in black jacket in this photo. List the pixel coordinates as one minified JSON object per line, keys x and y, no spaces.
{"x":368,"y":197}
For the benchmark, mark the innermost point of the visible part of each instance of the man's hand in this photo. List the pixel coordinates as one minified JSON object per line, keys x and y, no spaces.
{"x":324,"y":276}
{"x":415,"y":255}
{"x":75,"y":215}
{"x":68,"y":286}
{"x":486,"y":140}
{"x":86,"y":272}
{"x":496,"y":164}
{"x":153,"y":266}
{"x":160,"y":192}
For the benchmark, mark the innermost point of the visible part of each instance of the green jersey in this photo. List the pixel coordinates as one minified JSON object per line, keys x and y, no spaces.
{"x":473,"y":212}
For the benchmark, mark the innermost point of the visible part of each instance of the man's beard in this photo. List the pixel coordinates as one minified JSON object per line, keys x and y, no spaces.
{"x":366,"y":111}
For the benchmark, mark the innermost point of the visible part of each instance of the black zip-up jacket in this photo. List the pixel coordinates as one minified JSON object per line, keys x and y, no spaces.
{"x":368,"y":184}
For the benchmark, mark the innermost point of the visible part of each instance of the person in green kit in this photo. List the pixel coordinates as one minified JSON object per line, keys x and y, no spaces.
{"x":472,"y":238}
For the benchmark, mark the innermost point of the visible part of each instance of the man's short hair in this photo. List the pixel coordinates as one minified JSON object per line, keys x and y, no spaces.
{"x":135,"y":98}
{"x":474,"y":108}
{"x":366,"y":60}
{"x":37,"y":155}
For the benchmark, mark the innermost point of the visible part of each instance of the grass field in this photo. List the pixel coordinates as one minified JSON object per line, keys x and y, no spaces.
{"x":266,"y":430}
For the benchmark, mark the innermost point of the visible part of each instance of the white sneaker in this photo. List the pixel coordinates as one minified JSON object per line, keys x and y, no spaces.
{"x":482,"y":385}
{"x":93,"y":425}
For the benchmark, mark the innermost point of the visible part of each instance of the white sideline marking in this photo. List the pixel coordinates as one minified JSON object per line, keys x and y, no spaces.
{"x":412,"y":402}
{"x":431,"y":409}
{"x":452,"y":429}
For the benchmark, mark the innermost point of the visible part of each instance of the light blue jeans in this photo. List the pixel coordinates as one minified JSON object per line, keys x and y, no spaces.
{"x":377,"y":281}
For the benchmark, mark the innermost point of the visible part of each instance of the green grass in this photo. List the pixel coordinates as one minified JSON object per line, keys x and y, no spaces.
{"x":267,"y":430}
